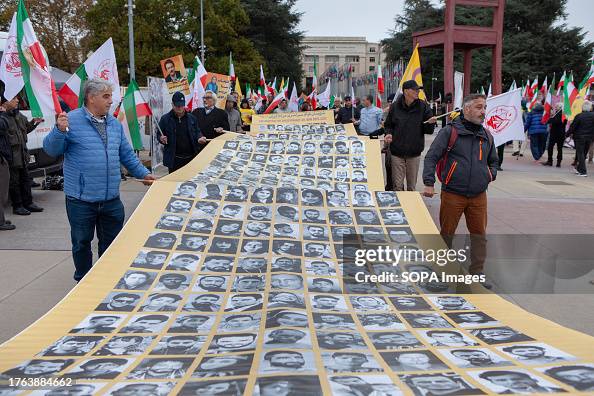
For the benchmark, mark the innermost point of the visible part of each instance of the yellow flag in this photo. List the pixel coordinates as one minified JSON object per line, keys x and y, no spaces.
{"x":413,"y":72}
{"x":576,"y":106}
{"x":238,"y":88}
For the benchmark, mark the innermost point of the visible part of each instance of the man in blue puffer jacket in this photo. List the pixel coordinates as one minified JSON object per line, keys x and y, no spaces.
{"x":94,"y":145}
{"x":537,"y":131}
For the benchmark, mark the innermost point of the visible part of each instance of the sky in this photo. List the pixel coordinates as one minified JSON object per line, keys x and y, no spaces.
{"x":375,"y":18}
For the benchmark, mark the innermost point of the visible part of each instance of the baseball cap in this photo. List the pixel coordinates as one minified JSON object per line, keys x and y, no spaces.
{"x":178,"y":99}
{"x":411,"y":84}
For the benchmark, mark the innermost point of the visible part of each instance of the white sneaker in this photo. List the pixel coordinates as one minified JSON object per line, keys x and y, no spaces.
{"x":583,"y":174}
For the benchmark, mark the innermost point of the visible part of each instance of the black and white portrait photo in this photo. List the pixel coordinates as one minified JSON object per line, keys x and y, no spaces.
{"x":239,"y":322}
{"x":125,"y":345}
{"x":248,"y":283}
{"x":244,"y":302}
{"x":170,"y":222}
{"x":161,"y":302}
{"x":161,"y":240}
{"x":146,"y":323}
{"x":320,"y":267}
{"x":473,"y":357}
{"x":141,"y":389}
{"x":254,"y":247}
{"x":224,"y":366}
{"x":285,"y":299}
{"x":368,"y":303}
{"x":234,"y":387}
{"x":160,"y":368}
{"x":179,"y":345}
{"x":380,"y":321}
{"x":136,"y":280}
{"x":514,"y":381}
{"x":419,"y":360}
{"x":287,"y":338}
{"x":215,"y":263}
{"x":251,"y":265}
{"x":333,"y":321}
{"x":282,"y":360}
{"x":472,"y":319}
{"x":395,"y":340}
{"x":410,"y":303}
{"x":212,"y":192}
{"x":340,"y":340}
{"x":426,"y":320}
{"x":283,"y":247}
{"x":37,"y":368}
{"x":183,"y":262}
{"x":98,"y":323}
{"x":579,"y":376}
{"x":224,"y":245}
{"x":535,"y":354}
{"x":211,"y":283}
{"x":323,"y":285}
{"x":178,"y":205}
{"x":500,"y":335}
{"x":192,"y":324}
{"x":446,"y":383}
{"x":327,"y":302}
{"x":447,"y":338}
{"x":286,"y":264}
{"x":101,"y":368}
{"x":286,"y":281}
{"x":393,"y":217}
{"x":451,"y":303}
{"x":282,"y":317}
{"x":387,"y":199}
{"x":186,"y":190}
{"x":313,"y":215}
{"x":205,"y":209}
{"x":193,"y":243}
{"x":150,"y":259}
{"x":203,"y":303}
{"x":232,"y":211}
{"x":173,"y":281}
{"x":119,"y":302}
{"x":72,"y":346}
{"x":224,"y":343}
{"x":350,"y":362}
{"x":236,"y":194}
{"x":348,"y":385}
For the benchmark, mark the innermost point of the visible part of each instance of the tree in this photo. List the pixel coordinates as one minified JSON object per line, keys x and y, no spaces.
{"x":536,"y":42}
{"x":169,"y":27}
{"x":59,"y":25}
{"x":273,"y":30}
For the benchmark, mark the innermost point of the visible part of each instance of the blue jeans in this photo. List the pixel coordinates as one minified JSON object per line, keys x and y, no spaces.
{"x":107,"y":217}
{"x":538,"y":144}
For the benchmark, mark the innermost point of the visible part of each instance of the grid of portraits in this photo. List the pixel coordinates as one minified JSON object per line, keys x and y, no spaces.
{"x":242,"y":290}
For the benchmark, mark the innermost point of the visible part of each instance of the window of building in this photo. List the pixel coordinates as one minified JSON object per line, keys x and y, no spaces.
{"x":331,"y":58}
{"x":353,"y":69}
{"x":372,"y":59}
{"x":310,"y":58}
{"x":371,"y":49}
{"x":371,"y":68}
{"x":351,"y":58}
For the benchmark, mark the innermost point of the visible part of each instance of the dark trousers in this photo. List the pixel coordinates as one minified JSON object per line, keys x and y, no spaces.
{"x":107,"y":217}
{"x":474,"y":209}
{"x":20,"y":187}
{"x":582,"y":145}
{"x":500,"y":151}
{"x":179,"y":163}
{"x":558,"y":141}
{"x":4,"y":185}
{"x":538,"y":144}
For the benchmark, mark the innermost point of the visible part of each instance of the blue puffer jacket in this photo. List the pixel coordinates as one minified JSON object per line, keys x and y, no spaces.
{"x":533,"y":124}
{"x":91,"y":170}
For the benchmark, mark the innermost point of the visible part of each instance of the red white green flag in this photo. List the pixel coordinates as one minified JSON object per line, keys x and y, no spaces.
{"x":589,"y":79}
{"x":561,"y":83}
{"x":35,"y":69}
{"x":197,"y":83}
{"x":101,"y":64}
{"x":380,"y":80}
{"x":277,"y":99}
{"x":133,"y":107}
{"x":570,"y":93}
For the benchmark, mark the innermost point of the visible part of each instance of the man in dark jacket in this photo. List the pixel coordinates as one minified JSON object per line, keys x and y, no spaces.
{"x":557,"y":136}
{"x":582,"y":130}
{"x":20,"y":183}
{"x":5,"y":159}
{"x":212,"y":121}
{"x":471,"y":165}
{"x":537,"y":131}
{"x":347,"y":114}
{"x":180,"y":135}
{"x":409,"y":120}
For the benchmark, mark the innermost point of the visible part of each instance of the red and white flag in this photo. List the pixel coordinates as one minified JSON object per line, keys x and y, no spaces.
{"x":262,"y":79}
{"x":548,"y":106}
{"x":380,"y":80}
{"x":294,"y":100}
{"x":277,"y":99}
{"x":378,"y":100}
{"x":231,"y":67}
{"x":197,"y":86}
{"x":34,"y":73}
{"x":544,"y":90}
{"x":561,"y":83}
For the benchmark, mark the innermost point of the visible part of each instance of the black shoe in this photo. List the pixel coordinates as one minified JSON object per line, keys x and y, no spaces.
{"x":559,"y":164}
{"x":8,"y":222}
{"x":6,"y":227}
{"x":34,"y":208}
{"x":548,"y":163}
{"x":499,"y":169}
{"x":21,"y":211}
{"x":515,"y":153}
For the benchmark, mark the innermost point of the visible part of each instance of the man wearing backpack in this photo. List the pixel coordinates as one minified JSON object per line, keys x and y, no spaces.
{"x":467,"y":161}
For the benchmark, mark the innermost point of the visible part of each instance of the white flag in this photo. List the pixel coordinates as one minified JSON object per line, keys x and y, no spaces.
{"x":294,"y":100}
{"x":504,"y":117}
{"x":10,"y":67}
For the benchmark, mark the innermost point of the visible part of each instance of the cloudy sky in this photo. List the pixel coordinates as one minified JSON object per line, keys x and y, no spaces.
{"x":374,"y":18}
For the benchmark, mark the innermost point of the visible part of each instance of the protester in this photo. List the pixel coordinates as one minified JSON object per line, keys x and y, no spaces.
{"x":306,"y":106}
{"x":5,"y":160}
{"x":94,"y":145}
{"x":179,"y":133}
{"x":370,"y":123}
{"x":348,"y":114}
{"x":233,"y":115}
{"x":20,"y":182}
{"x":407,"y":123}
{"x":556,"y":135}
{"x":582,"y":131}
{"x":246,"y":114}
{"x":537,"y":131}
{"x":283,"y":107}
{"x":471,"y":166}
{"x":212,"y":121}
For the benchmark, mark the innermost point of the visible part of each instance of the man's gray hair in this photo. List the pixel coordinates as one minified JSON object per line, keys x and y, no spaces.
{"x":471,"y":97}
{"x":95,"y":86}
{"x":587,"y":106}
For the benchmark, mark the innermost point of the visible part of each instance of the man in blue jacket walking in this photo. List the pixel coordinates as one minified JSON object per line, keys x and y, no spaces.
{"x":537,"y":131}
{"x":94,"y":145}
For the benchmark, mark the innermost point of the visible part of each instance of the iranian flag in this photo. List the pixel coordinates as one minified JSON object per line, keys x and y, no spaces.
{"x":197,"y":83}
{"x":545,"y":87}
{"x":231,"y":68}
{"x":10,"y":66}
{"x":380,"y":80}
{"x":548,"y":106}
{"x":34,"y":65}
{"x":314,"y":85}
{"x":132,"y":108}
{"x":533,"y":89}
{"x":589,"y":79}
{"x":570,"y":93}
{"x":277,"y":99}
{"x":101,"y":64}
{"x":294,"y":100}
{"x":262,"y":79}
{"x":378,"y":100}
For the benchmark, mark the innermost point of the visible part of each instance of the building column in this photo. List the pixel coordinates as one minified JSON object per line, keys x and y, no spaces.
{"x":467,"y":70}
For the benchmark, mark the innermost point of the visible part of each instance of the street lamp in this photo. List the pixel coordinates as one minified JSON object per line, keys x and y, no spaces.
{"x":202,"y":47}
{"x":131,"y":7}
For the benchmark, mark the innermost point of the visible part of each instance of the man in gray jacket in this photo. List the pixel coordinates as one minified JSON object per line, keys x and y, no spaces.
{"x":471,"y":165}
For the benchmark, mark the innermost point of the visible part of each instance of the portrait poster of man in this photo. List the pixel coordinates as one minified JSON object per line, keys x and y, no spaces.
{"x":175,"y":74}
{"x":220,"y":85}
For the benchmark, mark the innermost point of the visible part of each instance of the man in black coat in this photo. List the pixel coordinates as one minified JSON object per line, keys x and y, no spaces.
{"x":211,"y":120}
{"x":347,"y":114}
{"x":5,"y":160}
{"x":556,"y":136}
{"x":180,"y":134}
{"x":582,"y":130}
{"x":409,"y":120}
